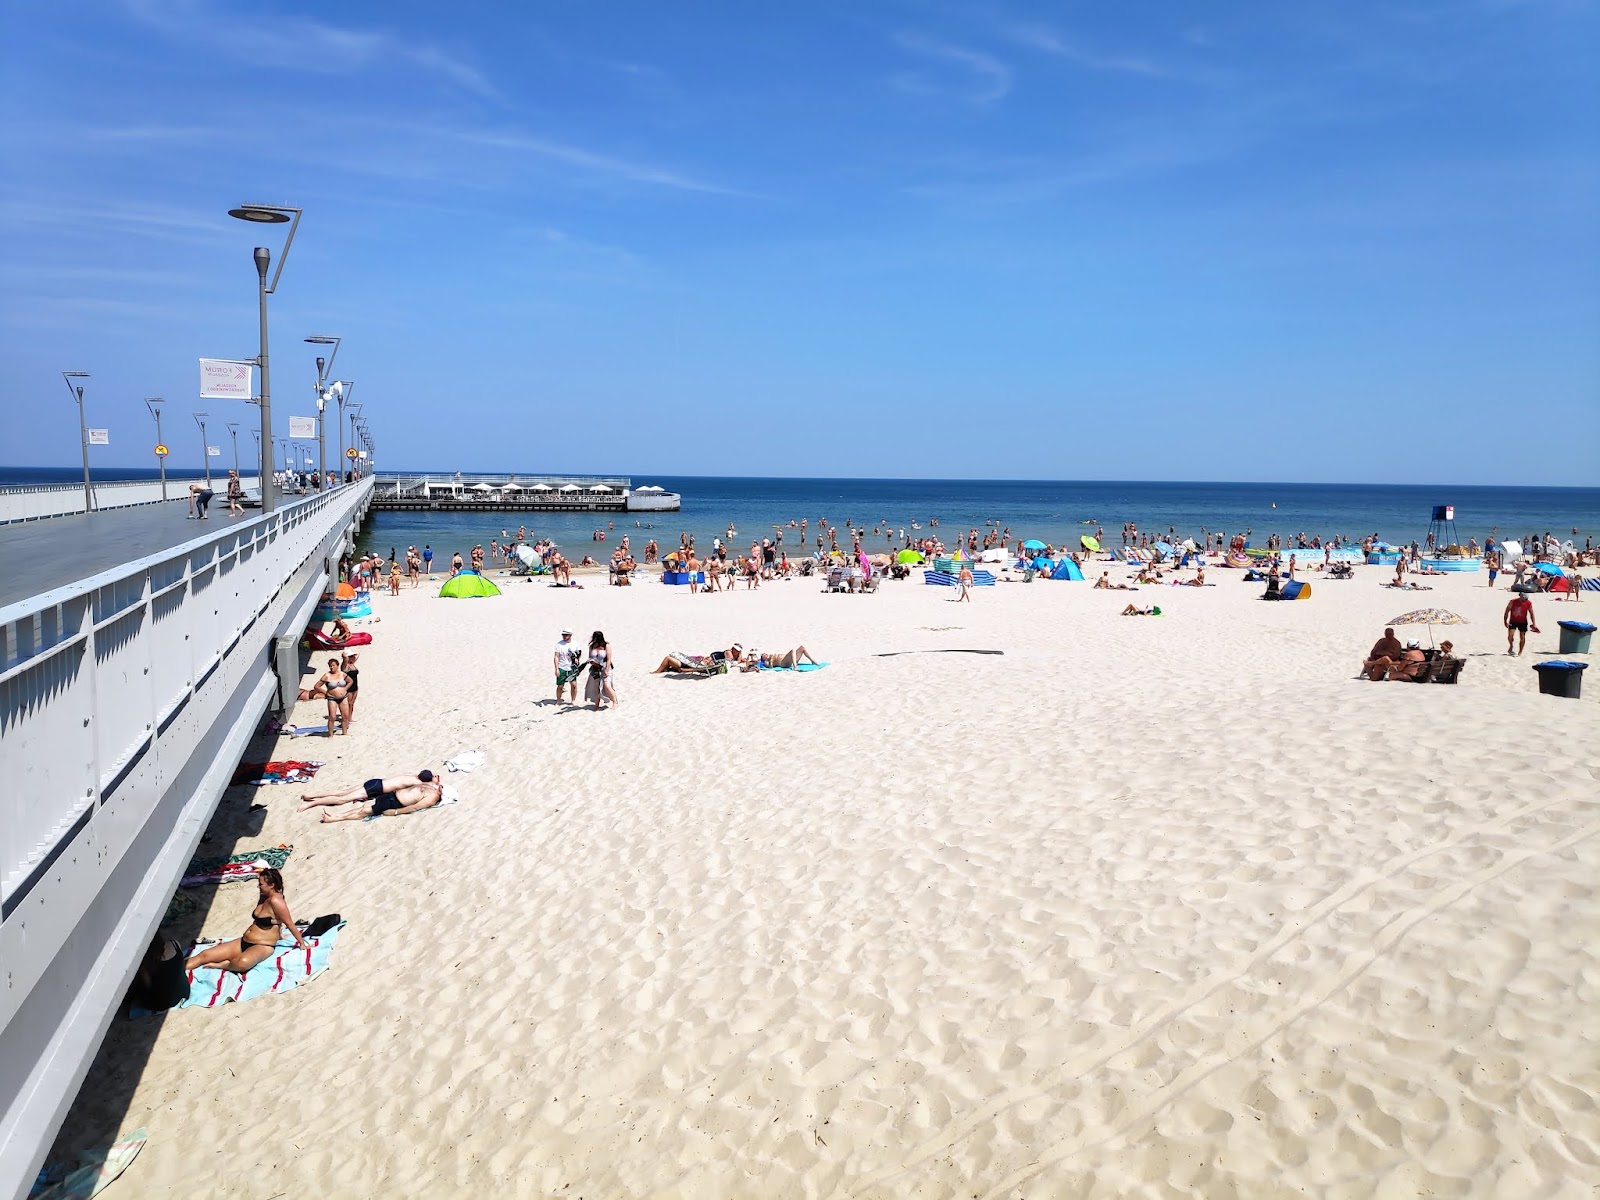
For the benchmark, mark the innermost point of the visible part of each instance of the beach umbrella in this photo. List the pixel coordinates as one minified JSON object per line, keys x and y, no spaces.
{"x":482,"y":487}
{"x":1090,"y":543}
{"x":1429,"y":617}
{"x":1033,"y":544}
{"x":1548,"y":568}
{"x":510,"y":487}
{"x":908,"y":556}
{"x":599,"y":487}
{"x":572,"y":487}
{"x":541,"y":487}
{"x":467,"y":585}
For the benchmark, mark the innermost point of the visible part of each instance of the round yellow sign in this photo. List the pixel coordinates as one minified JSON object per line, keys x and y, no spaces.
{"x":161,"y":451}
{"x":350,"y":453}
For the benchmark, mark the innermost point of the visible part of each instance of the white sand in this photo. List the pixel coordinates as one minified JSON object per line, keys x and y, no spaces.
{"x":1150,"y":907}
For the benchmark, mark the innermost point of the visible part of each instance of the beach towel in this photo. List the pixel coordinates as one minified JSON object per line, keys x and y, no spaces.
{"x":288,"y":771}
{"x":801,"y":667}
{"x":96,"y":1169}
{"x":236,"y":868}
{"x":287,"y":967}
{"x":295,"y":731}
{"x":466,"y":762}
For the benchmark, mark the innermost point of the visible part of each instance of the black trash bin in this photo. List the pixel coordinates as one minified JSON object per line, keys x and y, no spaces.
{"x":1559,"y":678}
{"x":1575,"y":637}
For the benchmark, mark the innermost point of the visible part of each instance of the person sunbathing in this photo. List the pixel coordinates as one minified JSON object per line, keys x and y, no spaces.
{"x":700,"y":664}
{"x":1385,"y":651}
{"x":755,"y":660}
{"x":1410,"y":663}
{"x":1133,"y":610}
{"x":397,"y":796}
{"x":268,"y":920}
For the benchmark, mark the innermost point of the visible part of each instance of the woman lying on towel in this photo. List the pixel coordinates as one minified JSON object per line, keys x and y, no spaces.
{"x":267,"y":923}
{"x":1133,"y":610}
{"x":755,"y":660}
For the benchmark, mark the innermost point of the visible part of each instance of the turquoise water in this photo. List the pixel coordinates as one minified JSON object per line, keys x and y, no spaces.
{"x":1057,"y":512}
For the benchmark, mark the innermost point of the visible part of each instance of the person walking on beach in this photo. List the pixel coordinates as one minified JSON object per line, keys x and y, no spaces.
{"x":1518,"y":616}
{"x":601,"y":666}
{"x":567,"y":668}
{"x":965,"y":580}
{"x":1491,"y":560}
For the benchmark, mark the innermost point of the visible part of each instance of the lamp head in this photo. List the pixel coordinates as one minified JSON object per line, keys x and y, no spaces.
{"x":263,"y":258}
{"x":258,"y":214}
{"x":322,"y":364}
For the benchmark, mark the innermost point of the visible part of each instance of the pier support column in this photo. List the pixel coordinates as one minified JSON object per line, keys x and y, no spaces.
{"x":286,"y":664}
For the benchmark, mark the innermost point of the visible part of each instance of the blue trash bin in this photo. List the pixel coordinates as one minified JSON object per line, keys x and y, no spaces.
{"x":1558,"y":678}
{"x":1575,"y":636}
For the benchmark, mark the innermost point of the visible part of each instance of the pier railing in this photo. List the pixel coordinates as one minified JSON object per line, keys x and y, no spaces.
{"x":125,"y":700}
{"x":34,"y":501}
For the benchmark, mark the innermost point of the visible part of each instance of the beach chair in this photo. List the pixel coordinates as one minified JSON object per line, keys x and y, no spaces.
{"x":1445,"y":670}
{"x":838,"y":580}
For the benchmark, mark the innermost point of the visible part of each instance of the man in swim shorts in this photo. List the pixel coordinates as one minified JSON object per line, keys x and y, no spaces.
{"x":567,"y":668}
{"x":1517,"y":617}
{"x":396,"y":796}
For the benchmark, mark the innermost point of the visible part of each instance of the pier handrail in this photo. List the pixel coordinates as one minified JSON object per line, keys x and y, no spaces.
{"x":125,"y":698}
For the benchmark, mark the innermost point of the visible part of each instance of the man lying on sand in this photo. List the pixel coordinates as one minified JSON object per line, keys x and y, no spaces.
{"x":1133,"y":610}
{"x":396,"y":796}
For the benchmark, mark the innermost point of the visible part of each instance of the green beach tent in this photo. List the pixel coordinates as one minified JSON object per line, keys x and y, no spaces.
{"x":467,"y":584}
{"x":908,"y":556}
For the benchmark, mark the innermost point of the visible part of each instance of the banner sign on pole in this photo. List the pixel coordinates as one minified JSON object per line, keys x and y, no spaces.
{"x":99,"y":437}
{"x":363,"y":454}
{"x":302,"y":427}
{"x":213,"y":451}
{"x":225,"y":379}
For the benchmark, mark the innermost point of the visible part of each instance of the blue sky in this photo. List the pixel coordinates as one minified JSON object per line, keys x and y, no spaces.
{"x":1331,"y":241}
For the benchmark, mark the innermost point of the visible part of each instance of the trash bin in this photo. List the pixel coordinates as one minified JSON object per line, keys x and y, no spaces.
{"x":1558,"y":678}
{"x":1575,"y":636}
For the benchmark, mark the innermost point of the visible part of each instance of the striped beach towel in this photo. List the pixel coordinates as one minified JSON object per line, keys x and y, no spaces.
{"x":287,"y":967}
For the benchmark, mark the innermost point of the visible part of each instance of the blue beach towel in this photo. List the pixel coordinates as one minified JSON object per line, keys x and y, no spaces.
{"x":287,"y":967}
{"x":803,"y":667}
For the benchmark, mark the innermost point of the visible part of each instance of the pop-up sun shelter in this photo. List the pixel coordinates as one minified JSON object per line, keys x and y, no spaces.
{"x":466,"y":585}
{"x":1067,"y":569}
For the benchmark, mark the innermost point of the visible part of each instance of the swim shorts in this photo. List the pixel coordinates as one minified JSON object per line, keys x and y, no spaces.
{"x":373,"y":788}
{"x":1519,"y":626}
{"x":385,"y":804}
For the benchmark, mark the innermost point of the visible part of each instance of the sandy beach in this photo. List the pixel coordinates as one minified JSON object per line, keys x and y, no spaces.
{"x":1168,"y":906}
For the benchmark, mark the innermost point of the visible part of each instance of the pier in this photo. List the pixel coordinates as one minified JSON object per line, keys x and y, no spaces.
{"x":139,"y":651}
{"x":457,"y":492}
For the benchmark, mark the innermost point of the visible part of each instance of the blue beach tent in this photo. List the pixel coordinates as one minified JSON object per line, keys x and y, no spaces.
{"x":1067,"y":569}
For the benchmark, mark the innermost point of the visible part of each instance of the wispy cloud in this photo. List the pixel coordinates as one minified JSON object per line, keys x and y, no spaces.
{"x":588,"y":160}
{"x":986,"y":78}
{"x":1050,"y":41}
{"x":299,"y":43}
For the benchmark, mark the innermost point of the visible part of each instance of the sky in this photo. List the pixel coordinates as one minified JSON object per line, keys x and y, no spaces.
{"x":1330,"y":241}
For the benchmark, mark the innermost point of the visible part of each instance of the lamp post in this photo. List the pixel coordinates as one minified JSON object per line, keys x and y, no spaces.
{"x":324,"y":369}
{"x":153,"y":403}
{"x":233,"y":431}
{"x":355,"y":411}
{"x":267,"y":214}
{"x":205,"y":449}
{"x":83,"y":433}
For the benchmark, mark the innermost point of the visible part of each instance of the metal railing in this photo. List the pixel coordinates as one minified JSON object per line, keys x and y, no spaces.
{"x":35,"y":501}
{"x":125,"y":700}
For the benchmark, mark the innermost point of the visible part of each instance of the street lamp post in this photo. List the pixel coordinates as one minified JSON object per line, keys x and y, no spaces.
{"x":233,"y":431}
{"x":324,"y":369}
{"x":267,"y":214}
{"x":153,"y":403}
{"x":83,"y":433}
{"x":205,"y":448}
{"x":355,"y":410}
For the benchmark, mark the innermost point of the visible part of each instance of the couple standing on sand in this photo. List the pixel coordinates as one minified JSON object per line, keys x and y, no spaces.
{"x":599,"y":664}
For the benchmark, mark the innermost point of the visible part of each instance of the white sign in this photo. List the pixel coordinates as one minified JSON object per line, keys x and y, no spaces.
{"x":302,"y":427}
{"x":363,"y":454}
{"x":213,"y":451}
{"x":225,"y":379}
{"x":99,"y":437}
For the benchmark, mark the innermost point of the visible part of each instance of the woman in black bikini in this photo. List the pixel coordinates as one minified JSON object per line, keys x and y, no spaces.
{"x":267,"y":923}
{"x":347,"y":709}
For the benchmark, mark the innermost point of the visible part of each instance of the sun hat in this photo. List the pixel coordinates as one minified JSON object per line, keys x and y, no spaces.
{"x":1413,"y":644}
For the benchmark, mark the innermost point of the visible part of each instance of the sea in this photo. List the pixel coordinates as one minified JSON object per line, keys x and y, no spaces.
{"x":1058,"y":512}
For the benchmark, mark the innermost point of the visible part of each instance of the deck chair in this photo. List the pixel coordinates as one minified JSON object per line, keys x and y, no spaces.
{"x":1446,"y":670}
